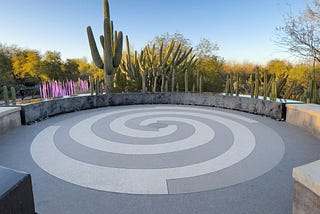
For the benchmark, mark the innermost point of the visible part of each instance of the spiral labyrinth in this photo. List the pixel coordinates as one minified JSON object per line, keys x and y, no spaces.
{"x":157,"y":149}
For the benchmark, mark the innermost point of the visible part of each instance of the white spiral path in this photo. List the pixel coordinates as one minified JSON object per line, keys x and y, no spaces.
{"x":144,"y":181}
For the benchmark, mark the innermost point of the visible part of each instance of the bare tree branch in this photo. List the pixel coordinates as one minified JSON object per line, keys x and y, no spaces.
{"x":301,"y":34}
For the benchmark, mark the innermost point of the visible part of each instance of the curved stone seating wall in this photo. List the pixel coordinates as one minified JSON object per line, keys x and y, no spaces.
{"x":306,"y":177}
{"x":9,"y":118}
{"x":305,"y":116}
{"x":42,"y":110}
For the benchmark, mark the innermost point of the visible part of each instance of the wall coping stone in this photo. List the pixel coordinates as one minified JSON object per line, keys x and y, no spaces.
{"x":309,"y":176}
{"x":8,"y":110}
{"x":312,"y":109}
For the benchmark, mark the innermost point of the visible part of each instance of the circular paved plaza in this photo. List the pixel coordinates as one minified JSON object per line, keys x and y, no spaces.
{"x":159,"y":159}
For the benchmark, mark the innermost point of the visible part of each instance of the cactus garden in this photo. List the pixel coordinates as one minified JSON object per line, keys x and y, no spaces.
{"x":167,"y":63}
{"x":160,"y":107}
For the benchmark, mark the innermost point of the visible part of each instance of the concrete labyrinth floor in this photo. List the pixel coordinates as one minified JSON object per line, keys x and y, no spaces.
{"x":161,"y":159}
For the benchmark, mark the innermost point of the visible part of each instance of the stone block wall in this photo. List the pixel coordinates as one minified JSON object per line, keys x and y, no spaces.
{"x":42,"y":110}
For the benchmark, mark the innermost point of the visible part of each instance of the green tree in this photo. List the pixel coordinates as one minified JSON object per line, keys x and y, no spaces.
{"x":278,"y":67}
{"x":166,"y":39}
{"x":52,"y":65}
{"x":26,"y":66}
{"x":70,"y":70}
{"x":209,"y":65}
{"x":87,"y":70}
{"x":206,"y":49}
{"x":301,"y":33}
{"x":6,"y":70}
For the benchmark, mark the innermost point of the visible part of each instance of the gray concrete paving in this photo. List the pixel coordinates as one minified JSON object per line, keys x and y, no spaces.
{"x":240,"y":188}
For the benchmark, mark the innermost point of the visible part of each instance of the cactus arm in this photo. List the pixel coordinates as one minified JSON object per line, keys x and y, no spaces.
{"x":102,"y":41}
{"x":106,"y":11}
{"x":118,"y":50}
{"x":128,"y":46}
{"x":160,"y":54}
{"x":108,"y":63}
{"x":168,"y":53}
{"x":111,"y":29}
{"x":114,"y":41}
{"x":135,"y":58}
{"x":94,"y":50}
{"x":177,"y":53}
{"x":184,"y":56}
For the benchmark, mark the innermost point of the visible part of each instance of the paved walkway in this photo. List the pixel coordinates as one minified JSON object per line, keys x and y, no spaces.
{"x":159,"y":159}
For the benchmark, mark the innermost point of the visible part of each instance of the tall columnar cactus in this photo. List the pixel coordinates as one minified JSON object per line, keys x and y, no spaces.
{"x":5,"y":95}
{"x":166,"y":88}
{"x":188,"y":65}
{"x":97,"y":86}
{"x":227,"y":85}
{"x":13,"y":95}
{"x":274,"y":92}
{"x":198,"y":76}
{"x":289,"y":91}
{"x":131,"y":66}
{"x":252,"y":85}
{"x":308,"y":94}
{"x":314,"y":85}
{"x":256,"y":84}
{"x":91,"y":86}
{"x":265,"y":84}
{"x":200,"y":84}
{"x":237,"y":84}
{"x":178,"y":58}
{"x":112,"y":43}
{"x":314,"y":90}
{"x":231,"y":84}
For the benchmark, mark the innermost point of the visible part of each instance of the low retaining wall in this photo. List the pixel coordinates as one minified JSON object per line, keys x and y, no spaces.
{"x":16,"y":194}
{"x":307,"y":188}
{"x":307,"y":177}
{"x":9,"y":118}
{"x":305,"y":116}
{"x":42,"y":110}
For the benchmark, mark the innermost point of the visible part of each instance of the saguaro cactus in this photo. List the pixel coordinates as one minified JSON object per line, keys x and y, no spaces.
{"x":5,"y":95}
{"x":112,"y":43}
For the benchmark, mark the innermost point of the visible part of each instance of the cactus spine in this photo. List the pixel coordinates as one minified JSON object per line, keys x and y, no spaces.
{"x":5,"y":95}
{"x":13,"y":95}
{"x":112,"y":48}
